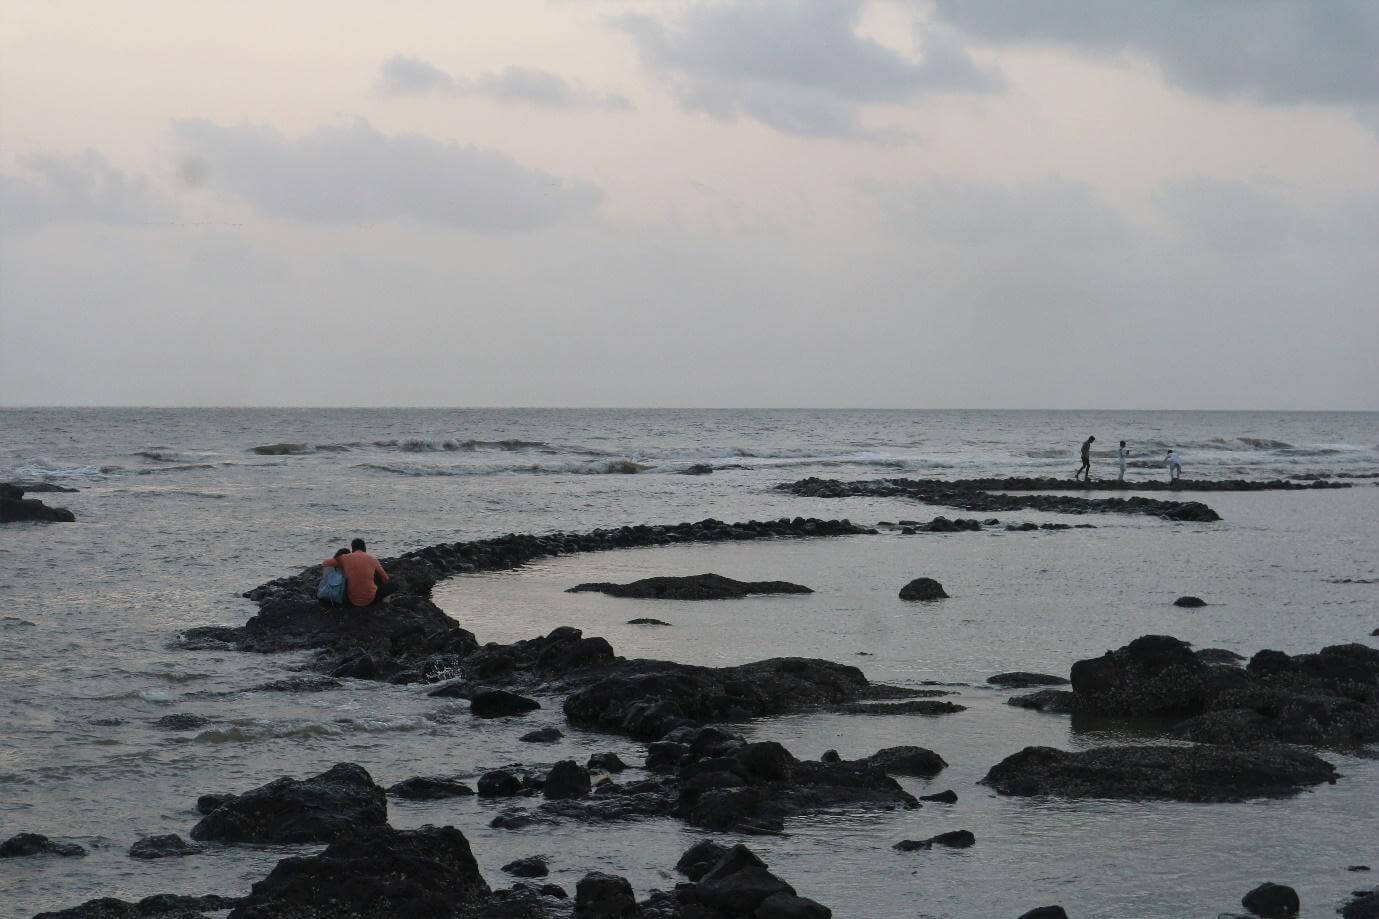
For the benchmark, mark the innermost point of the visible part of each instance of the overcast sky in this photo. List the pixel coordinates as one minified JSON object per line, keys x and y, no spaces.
{"x":933,"y":203}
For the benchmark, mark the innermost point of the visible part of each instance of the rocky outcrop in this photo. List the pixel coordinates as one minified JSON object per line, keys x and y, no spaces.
{"x":1363,"y":904}
{"x":736,"y":884}
{"x":378,"y":873}
{"x":1026,"y":483}
{"x":1021,"y":679}
{"x":14,"y":507}
{"x":158,"y":906}
{"x":168,"y":846}
{"x":339,"y":802}
{"x":37,"y":844}
{"x":691,"y":587}
{"x":923,"y":589}
{"x":1190,"y":773}
{"x":1153,"y":675}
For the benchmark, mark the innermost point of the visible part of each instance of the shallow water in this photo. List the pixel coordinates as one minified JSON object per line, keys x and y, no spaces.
{"x":168,"y":540}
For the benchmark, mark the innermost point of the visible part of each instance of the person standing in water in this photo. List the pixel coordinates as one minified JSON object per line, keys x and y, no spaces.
{"x":1122,"y":453}
{"x":1086,"y":460}
{"x":1175,"y":465}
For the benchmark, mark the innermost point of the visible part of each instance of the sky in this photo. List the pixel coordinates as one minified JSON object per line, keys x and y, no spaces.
{"x":828,"y":203}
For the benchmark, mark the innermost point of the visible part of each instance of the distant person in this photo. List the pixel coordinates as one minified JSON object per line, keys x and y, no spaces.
{"x":1121,"y":454}
{"x":331,"y":588}
{"x":1086,"y":460}
{"x":1175,"y":465}
{"x":366,"y":583}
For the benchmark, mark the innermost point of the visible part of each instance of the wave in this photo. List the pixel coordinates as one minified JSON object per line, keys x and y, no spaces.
{"x":41,"y":469}
{"x":452,"y":445}
{"x":608,"y":467}
{"x":180,"y":467}
{"x":8,"y":623}
{"x":165,"y":455}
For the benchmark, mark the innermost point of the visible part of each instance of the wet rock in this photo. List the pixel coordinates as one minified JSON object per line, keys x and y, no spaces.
{"x":1196,"y":773}
{"x":1189,"y":602}
{"x":208,"y":803}
{"x":567,"y":779}
{"x":604,"y":896}
{"x":1154,"y":674}
{"x":1045,"y":912}
{"x":341,"y":801}
{"x":378,"y":873}
{"x":1218,"y":656}
{"x":789,"y":906}
{"x":923,"y":589}
{"x":542,"y":735}
{"x":519,"y":820}
{"x":1020,"y":679}
{"x":910,"y":707}
{"x":499,"y":783}
{"x":1022,"y":527}
{"x":1049,"y":701}
{"x":699,"y":858}
{"x":647,"y":621}
{"x":497,"y":703}
{"x":554,"y":890}
{"x":533,"y":866}
{"x":430,"y":788}
{"x":907,"y":760}
{"x":182,"y":721}
{"x":14,"y":507}
{"x":739,"y":882}
{"x":943,"y":797}
{"x":1363,"y":904}
{"x":1272,"y":901}
{"x":954,"y":839}
{"x":300,"y":684}
{"x":168,"y":846}
{"x":210,"y":638}
{"x":692,"y":587}
{"x":160,"y":904}
{"x":283,"y":449}
{"x":37,"y":844}
{"x":605,"y":762}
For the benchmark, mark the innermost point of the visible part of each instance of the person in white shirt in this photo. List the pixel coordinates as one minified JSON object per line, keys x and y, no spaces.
{"x":1122,"y":453}
{"x":1175,"y":465}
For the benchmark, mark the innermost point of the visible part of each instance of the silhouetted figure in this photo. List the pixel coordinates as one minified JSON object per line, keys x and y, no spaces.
{"x":1122,"y":453}
{"x":1086,"y":460}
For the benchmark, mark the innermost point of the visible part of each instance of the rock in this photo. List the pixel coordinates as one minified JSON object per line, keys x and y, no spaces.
{"x":699,"y":858}
{"x":923,"y":589}
{"x":954,"y":839}
{"x":499,"y":783}
{"x":14,"y":507}
{"x":698,"y":469}
{"x":647,"y":621}
{"x":37,"y":844}
{"x":430,"y":788}
{"x":182,"y":721}
{"x":1045,"y":912}
{"x":1357,"y":867}
{"x":1153,"y":675}
{"x":1020,"y":679}
{"x":910,"y":707}
{"x":907,"y":761}
{"x":1363,"y":904}
{"x":283,"y":449}
{"x":542,"y":735}
{"x":1189,"y":602}
{"x":168,"y":846}
{"x":943,"y":797}
{"x":739,"y":883}
{"x":692,"y":587}
{"x":208,"y":803}
{"x":533,"y":866}
{"x":160,"y":904}
{"x":605,"y":762}
{"x":496,"y":703}
{"x":341,"y":801}
{"x":604,"y":896}
{"x":554,"y":890}
{"x":378,"y":873}
{"x":1022,"y":527}
{"x":300,"y":684}
{"x":1197,"y":773}
{"x":1050,"y":701}
{"x":1272,"y":901}
{"x":789,"y":906}
{"x":1218,"y":656}
{"x":567,"y":779}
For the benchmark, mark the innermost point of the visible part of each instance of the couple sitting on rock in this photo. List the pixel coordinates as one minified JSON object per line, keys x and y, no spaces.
{"x":353,"y":577}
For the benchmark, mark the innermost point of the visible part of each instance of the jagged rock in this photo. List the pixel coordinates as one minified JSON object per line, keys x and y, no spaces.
{"x":605,"y":762}
{"x":1196,"y":773}
{"x":499,"y":783}
{"x":533,"y":866}
{"x":547,"y":734}
{"x":691,"y":587}
{"x":15,"y":507}
{"x":1051,"y":701}
{"x":1272,"y":901}
{"x":954,"y":839}
{"x":943,"y":797}
{"x":341,"y":801}
{"x":37,"y":844}
{"x":699,"y":858}
{"x":910,"y":707}
{"x":1154,"y":674}
{"x":497,"y":703}
{"x":923,"y":589}
{"x":1020,"y":679}
{"x":604,"y":896}
{"x":1189,"y":602}
{"x":429,"y":788}
{"x":167,"y":846}
{"x":378,"y":873}
{"x":907,"y":760}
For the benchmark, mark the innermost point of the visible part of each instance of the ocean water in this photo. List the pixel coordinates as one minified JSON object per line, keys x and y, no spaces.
{"x":177,"y":515}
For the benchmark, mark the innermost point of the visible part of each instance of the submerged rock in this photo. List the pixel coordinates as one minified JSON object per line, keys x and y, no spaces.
{"x":1191,"y":773}
{"x":923,"y":589}
{"x":547,"y":734}
{"x":1049,"y":701}
{"x":182,"y":721}
{"x":909,"y":707}
{"x":954,"y":839}
{"x":692,"y":587}
{"x":167,"y":846}
{"x":1363,"y":904}
{"x":37,"y":844}
{"x":1020,"y":679}
{"x":430,"y":788}
{"x":341,"y":801}
{"x":1272,"y":901}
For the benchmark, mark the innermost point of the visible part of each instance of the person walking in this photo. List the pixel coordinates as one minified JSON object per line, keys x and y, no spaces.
{"x":1086,"y":460}
{"x":366,"y":583}
{"x":1175,"y":465}
{"x":1122,"y":453}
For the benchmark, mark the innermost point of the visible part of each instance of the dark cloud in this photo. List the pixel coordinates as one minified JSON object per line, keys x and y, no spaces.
{"x":410,"y":76}
{"x":54,"y":187}
{"x":353,"y":172}
{"x":800,"y":67}
{"x":1276,"y":51}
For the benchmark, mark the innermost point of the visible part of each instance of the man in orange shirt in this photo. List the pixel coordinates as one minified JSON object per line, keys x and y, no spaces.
{"x":366,"y":583}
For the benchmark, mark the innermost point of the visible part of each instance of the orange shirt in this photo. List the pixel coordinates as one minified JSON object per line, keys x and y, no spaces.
{"x":360,"y":570}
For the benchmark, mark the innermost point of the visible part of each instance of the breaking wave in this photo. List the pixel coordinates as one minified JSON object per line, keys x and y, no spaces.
{"x":604,"y":467}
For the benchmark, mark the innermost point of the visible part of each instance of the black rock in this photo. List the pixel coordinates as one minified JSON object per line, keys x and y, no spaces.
{"x":378,"y":873}
{"x":168,"y":846}
{"x":1218,"y":656}
{"x":15,"y":507}
{"x":605,"y":762}
{"x":208,"y":803}
{"x":499,"y":783}
{"x":1272,"y":901}
{"x":943,"y":797}
{"x":907,"y":761}
{"x":1021,"y":679}
{"x":542,"y":735}
{"x":699,"y":858}
{"x":341,"y":801}
{"x":647,"y":621}
{"x":908,"y":707}
{"x":429,"y":788}
{"x":496,"y":703}
{"x":1196,"y":773}
{"x":553,"y":890}
{"x":1154,"y":674}
{"x":182,"y":721}
{"x":954,"y":839}
{"x":1190,"y":602}
{"x":692,"y":587}
{"x":1045,"y":912}
{"x":604,"y":896}
{"x":789,"y":906}
{"x":533,"y":866}
{"x":923,"y":589}
{"x":739,"y":882}
{"x":1052,"y":701}
{"x":698,"y":469}
{"x":37,"y":844}
{"x":567,"y":779}
{"x":1363,"y":904}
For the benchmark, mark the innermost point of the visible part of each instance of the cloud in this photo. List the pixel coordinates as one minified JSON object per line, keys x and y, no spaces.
{"x":799,"y":67}
{"x":54,"y":187}
{"x":1273,"y":51}
{"x":353,"y":172}
{"x":1231,"y":215}
{"x":410,"y":76}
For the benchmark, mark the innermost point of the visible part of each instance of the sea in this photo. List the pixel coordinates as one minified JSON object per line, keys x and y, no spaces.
{"x":179,"y":511}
